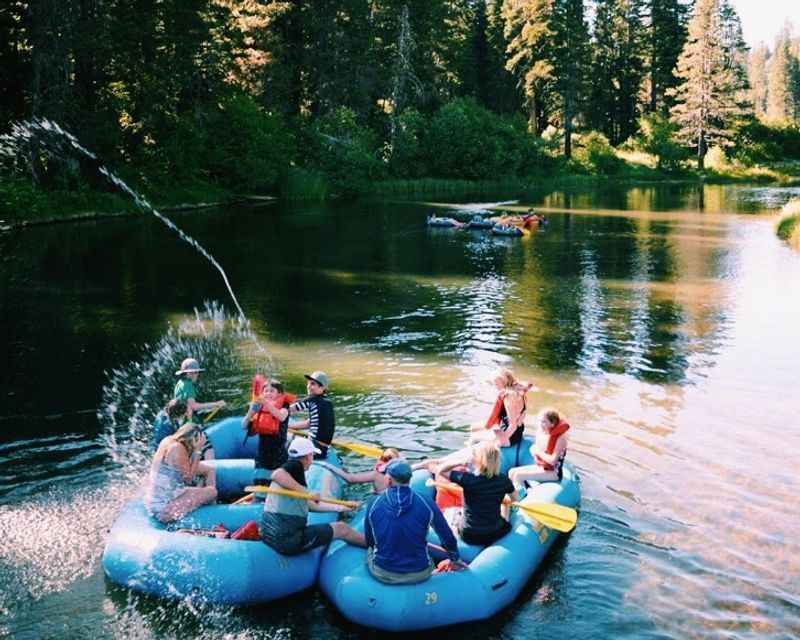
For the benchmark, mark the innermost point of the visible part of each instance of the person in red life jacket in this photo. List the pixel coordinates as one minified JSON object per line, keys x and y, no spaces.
{"x":506,"y":422}
{"x":376,"y":475}
{"x":483,"y":519}
{"x":321,"y":422}
{"x":548,"y":450}
{"x":268,"y":418}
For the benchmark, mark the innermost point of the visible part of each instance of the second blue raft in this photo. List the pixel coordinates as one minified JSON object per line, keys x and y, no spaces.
{"x":495,"y":576}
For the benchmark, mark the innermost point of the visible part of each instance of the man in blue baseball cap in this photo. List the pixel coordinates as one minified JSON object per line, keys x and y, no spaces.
{"x":396,"y":529}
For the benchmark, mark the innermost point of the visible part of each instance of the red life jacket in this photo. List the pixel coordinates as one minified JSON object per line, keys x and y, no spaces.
{"x":560,"y":429}
{"x":497,"y":411}
{"x":264,"y":423}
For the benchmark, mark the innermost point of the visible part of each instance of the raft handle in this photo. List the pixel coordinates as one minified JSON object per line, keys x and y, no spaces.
{"x":502,"y":583}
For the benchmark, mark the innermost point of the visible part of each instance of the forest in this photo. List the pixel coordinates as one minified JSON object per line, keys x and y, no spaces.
{"x":342,"y":98}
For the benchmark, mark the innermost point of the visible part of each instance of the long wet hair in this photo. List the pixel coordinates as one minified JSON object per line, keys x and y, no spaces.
{"x":486,"y":458}
{"x":184,"y":435}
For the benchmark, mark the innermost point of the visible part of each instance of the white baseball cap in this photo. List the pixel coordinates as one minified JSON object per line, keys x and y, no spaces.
{"x":302,"y":447}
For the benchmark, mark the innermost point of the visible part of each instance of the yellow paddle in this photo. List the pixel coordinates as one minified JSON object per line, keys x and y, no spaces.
{"x":211,"y":413}
{"x":368,"y":450}
{"x":300,"y":495}
{"x":554,"y":516}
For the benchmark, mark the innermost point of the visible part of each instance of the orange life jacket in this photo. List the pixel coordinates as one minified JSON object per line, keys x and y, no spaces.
{"x":264,"y":423}
{"x":557,"y":431}
{"x":446,"y":498}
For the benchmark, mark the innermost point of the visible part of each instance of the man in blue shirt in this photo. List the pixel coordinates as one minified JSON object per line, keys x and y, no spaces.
{"x":396,"y":528}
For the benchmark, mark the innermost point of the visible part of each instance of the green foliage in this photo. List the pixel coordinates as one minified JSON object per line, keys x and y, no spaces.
{"x":248,"y":149}
{"x":788,"y":227}
{"x":469,"y":142}
{"x":343,"y":150}
{"x":657,"y":137}
{"x":407,"y":156}
{"x":757,"y":142}
{"x":597,"y":154}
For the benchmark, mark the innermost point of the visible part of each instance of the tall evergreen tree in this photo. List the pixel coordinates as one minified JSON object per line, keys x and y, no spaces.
{"x":783,"y":80}
{"x":618,"y":68}
{"x":757,"y":74}
{"x":570,"y":62}
{"x":706,"y":106}
{"x":666,"y":35}
{"x":503,"y":94}
{"x":530,"y":52}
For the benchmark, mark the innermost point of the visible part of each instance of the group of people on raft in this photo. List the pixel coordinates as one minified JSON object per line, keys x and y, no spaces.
{"x":397,"y":518}
{"x":527,"y":221}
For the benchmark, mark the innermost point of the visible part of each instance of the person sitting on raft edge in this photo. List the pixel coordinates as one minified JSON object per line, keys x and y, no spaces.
{"x":284,"y":521}
{"x":184,"y":390}
{"x":321,"y":422}
{"x":483,"y":519}
{"x":170,"y":493}
{"x":167,"y":421}
{"x":507,"y":420}
{"x":549,"y":450}
{"x":396,"y":527}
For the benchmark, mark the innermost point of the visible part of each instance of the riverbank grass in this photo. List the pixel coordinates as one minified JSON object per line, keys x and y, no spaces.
{"x":788,"y":227}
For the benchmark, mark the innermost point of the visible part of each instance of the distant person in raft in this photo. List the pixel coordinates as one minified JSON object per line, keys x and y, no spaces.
{"x":396,"y":526}
{"x":377,"y":475}
{"x":167,"y":421}
{"x":284,"y":525}
{"x":268,"y":418}
{"x":185,"y":390}
{"x":548,"y":450}
{"x":483,"y":519}
{"x":170,"y":494}
{"x":321,"y":422}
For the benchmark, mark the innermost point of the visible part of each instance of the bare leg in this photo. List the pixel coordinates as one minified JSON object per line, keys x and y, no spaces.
{"x":530,"y":473}
{"x":186,"y":502}
{"x":344,"y":531}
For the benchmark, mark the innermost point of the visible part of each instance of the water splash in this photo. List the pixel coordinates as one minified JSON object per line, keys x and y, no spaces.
{"x":27,"y":140}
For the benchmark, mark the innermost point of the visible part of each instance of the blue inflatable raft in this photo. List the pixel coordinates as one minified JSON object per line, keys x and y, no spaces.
{"x":147,"y":556}
{"x":478,"y":222}
{"x":495,"y":576}
{"x":506,"y":230}
{"x":435,"y":221}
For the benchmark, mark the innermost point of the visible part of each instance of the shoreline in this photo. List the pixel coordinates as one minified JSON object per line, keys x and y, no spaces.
{"x":91,"y":216}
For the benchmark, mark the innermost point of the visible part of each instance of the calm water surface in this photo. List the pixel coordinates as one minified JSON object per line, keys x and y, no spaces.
{"x":661,"y":321}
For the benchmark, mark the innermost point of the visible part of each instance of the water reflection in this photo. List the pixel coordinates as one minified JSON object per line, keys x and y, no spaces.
{"x":666,"y":335}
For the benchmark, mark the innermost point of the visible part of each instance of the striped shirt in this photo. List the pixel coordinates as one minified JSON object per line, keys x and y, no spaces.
{"x":321,"y":421}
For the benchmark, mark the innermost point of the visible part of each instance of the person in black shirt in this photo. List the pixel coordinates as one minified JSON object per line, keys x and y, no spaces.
{"x":321,"y":422}
{"x":482,"y":522}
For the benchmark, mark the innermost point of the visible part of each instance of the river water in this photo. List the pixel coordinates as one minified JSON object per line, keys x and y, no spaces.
{"x":661,"y":321}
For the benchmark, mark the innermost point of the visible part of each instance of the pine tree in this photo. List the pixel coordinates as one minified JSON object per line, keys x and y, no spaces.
{"x":757,"y":74}
{"x":666,"y":35}
{"x":780,"y":103}
{"x":570,"y":62}
{"x":502,"y":93}
{"x":706,"y":101}
{"x":618,"y":68}
{"x":530,"y":50}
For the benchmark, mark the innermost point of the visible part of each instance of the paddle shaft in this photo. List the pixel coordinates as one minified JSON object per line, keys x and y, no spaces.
{"x":552,"y":515}
{"x":300,"y":495}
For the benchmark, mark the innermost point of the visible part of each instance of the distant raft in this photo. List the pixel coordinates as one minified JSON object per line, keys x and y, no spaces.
{"x":436,"y":221}
{"x":147,"y":556}
{"x":506,"y":230}
{"x":479,"y":222}
{"x":495,"y":576}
